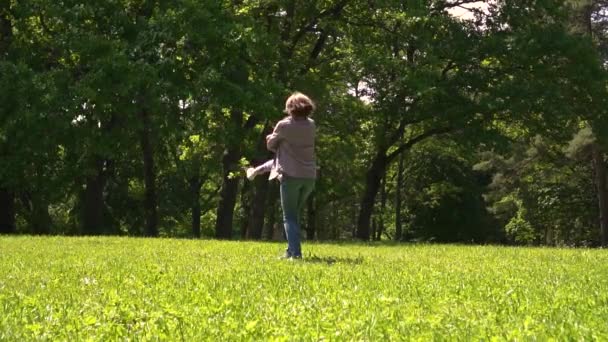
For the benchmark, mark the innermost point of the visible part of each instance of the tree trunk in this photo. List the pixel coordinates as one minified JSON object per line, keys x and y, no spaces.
{"x":239,"y":75}
{"x":41,"y":220}
{"x":355,"y":209}
{"x":380,"y":227}
{"x":372,"y":185}
{"x":228,"y":194}
{"x":245,"y":210}
{"x":258,"y":208}
{"x":92,"y":218}
{"x":195,"y":192}
{"x":7,"y":197}
{"x":398,"y":220}
{"x":7,"y":211}
{"x":602,"y":191}
{"x":272,"y":211}
{"x":38,"y":218}
{"x":150,"y":200}
{"x":374,"y":227}
{"x":260,"y":192}
{"x":92,"y":201}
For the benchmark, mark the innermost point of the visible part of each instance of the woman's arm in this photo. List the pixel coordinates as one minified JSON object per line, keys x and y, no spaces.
{"x":273,"y":140}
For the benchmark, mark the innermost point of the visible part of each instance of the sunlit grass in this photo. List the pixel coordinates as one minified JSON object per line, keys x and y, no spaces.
{"x":109,"y":288}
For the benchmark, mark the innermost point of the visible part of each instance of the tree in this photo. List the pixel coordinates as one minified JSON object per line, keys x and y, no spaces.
{"x":540,"y":195}
{"x":453,"y":76}
{"x":444,"y":193}
{"x":131,"y":117}
{"x":417,"y":62}
{"x":589,"y":19}
{"x":29,"y":131}
{"x":7,"y":196}
{"x":289,"y":38}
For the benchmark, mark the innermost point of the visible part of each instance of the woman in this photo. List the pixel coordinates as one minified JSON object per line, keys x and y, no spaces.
{"x":293,"y":140}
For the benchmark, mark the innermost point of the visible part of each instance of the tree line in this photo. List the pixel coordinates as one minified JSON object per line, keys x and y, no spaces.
{"x":137,"y":117}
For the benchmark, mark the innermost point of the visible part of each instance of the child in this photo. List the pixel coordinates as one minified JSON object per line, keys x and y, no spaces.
{"x":252,"y":172}
{"x":266,"y":167}
{"x":293,"y":140}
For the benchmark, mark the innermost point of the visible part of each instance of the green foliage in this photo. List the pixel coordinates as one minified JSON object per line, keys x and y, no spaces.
{"x":520,"y":230}
{"x":119,"y":288}
{"x":443,"y":195}
{"x":580,"y":144}
{"x":77,"y":78}
{"x":540,"y":195}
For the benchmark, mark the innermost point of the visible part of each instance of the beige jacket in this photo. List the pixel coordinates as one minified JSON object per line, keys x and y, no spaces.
{"x":293,"y":141}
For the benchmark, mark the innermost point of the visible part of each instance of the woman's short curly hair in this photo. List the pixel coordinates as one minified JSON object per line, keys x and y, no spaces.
{"x":299,"y":105}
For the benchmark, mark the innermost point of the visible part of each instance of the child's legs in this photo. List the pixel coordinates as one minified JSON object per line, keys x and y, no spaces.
{"x":308,"y":185}
{"x":289,"y":204}
{"x":294,"y":192}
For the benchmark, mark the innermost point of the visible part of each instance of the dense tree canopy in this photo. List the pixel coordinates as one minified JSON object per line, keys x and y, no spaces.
{"x":137,"y":117}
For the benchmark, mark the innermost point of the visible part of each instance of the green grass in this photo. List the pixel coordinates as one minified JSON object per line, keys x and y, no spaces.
{"x":157,"y":289}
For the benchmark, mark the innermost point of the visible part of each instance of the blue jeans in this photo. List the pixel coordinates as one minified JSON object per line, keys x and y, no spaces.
{"x":294,"y":192}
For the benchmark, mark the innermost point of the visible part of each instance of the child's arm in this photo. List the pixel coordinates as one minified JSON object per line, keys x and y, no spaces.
{"x":266,"y":167}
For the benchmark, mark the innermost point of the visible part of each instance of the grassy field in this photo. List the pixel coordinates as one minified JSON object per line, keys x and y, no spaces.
{"x":160,"y":289}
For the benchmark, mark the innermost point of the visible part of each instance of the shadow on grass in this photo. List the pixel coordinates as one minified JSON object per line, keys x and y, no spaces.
{"x":330,"y":260}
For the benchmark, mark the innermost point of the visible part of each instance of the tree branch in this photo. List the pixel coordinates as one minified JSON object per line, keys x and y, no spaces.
{"x":333,"y":12}
{"x":411,"y":142}
{"x":316,"y":51}
{"x":450,"y":66}
{"x":443,"y":5}
{"x":403,"y":123}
